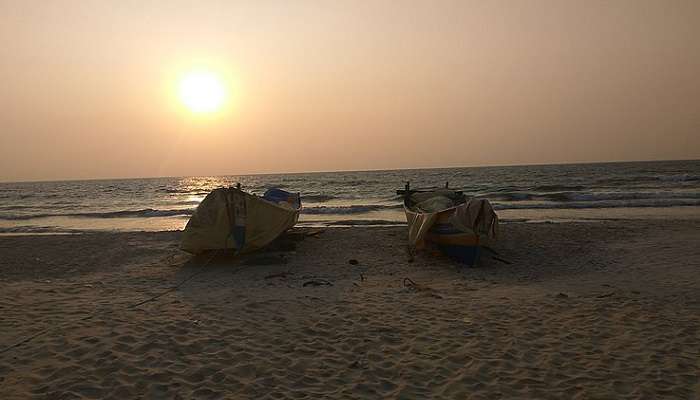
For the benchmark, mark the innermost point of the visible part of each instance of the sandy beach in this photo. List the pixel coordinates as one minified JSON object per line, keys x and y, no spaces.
{"x":135,"y":134}
{"x":570,"y":310}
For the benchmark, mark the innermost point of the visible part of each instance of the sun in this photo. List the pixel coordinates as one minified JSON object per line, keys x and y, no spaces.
{"x":202,"y":92}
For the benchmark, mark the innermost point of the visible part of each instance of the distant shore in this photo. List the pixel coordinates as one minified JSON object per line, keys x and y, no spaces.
{"x":609,"y":309}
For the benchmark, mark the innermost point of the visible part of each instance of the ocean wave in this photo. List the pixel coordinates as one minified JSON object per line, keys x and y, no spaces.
{"x":317,"y":198}
{"x":587,"y":196}
{"x":192,"y":191}
{"x":636,"y":179}
{"x":350,"y":183}
{"x":16,"y":207}
{"x":187,"y":202}
{"x":508,"y":196}
{"x":354,"y":209}
{"x":37,"y":230}
{"x":144,"y":213}
{"x":646,"y":203}
{"x":679,"y":178}
{"x":628,"y":196}
{"x":623,"y":180}
{"x":556,"y":188}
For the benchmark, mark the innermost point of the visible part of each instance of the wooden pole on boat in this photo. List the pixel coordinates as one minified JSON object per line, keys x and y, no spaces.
{"x":406,"y":189}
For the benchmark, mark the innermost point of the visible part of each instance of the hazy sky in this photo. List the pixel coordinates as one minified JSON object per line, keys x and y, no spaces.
{"x":88,"y":88}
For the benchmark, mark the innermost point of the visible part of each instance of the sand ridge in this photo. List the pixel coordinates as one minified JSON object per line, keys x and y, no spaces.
{"x":580,"y":313}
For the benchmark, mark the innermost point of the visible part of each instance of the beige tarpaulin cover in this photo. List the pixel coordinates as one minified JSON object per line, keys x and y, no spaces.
{"x":476,"y":215}
{"x":229,"y":218}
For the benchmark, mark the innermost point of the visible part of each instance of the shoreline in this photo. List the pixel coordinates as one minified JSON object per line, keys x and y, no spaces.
{"x":583,"y":310}
{"x":60,"y":225}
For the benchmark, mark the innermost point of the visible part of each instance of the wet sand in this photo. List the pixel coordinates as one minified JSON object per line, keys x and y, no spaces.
{"x":582,"y":310}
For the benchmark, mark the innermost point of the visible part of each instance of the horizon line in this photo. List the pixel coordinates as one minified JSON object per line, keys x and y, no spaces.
{"x":344,"y":170}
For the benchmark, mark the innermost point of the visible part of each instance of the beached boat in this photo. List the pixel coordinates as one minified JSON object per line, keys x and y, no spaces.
{"x":231,"y":219}
{"x":457,"y":225}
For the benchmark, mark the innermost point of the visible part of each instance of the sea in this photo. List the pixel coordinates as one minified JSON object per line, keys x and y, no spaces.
{"x":530,"y":193}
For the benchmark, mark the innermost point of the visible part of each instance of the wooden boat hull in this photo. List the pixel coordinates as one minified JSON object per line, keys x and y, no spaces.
{"x":458,"y":226}
{"x":463,"y":247}
{"x":230,"y":219}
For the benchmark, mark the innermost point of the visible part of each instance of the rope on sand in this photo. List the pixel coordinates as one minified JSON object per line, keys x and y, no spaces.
{"x":182,"y":282}
{"x":496,"y":255}
{"x":153,"y":298}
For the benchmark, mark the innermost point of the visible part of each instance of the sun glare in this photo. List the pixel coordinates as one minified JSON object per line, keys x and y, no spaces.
{"x":202,"y":92}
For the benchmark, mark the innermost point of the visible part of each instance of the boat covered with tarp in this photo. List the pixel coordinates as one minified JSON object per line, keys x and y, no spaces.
{"x":457,"y":225}
{"x":231,"y":219}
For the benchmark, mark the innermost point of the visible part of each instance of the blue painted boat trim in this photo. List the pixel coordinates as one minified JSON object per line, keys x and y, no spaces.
{"x":238,"y":234}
